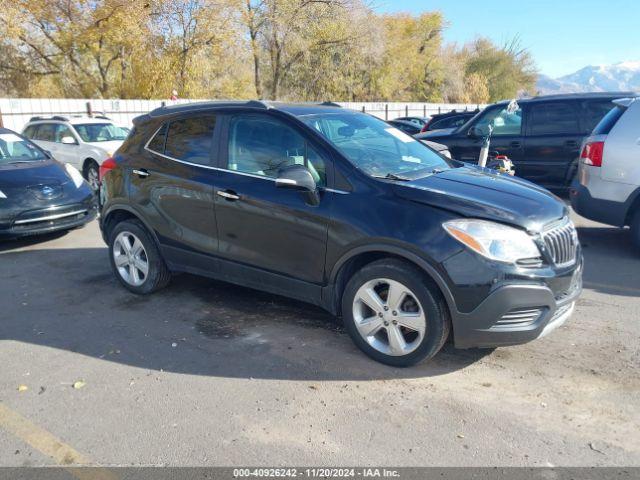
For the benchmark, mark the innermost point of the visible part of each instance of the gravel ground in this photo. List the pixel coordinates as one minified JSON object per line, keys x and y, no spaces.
{"x":205,"y":373}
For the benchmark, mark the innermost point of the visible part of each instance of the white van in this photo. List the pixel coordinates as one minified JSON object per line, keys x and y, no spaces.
{"x":607,"y":186}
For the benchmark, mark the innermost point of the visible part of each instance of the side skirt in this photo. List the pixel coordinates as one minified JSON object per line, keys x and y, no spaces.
{"x":180,"y":260}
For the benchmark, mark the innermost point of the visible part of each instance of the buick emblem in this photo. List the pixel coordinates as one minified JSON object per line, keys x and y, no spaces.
{"x":47,"y":191}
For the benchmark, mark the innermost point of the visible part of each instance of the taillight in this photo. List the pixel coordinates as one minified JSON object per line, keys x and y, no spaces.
{"x":425,"y":127}
{"x":108,"y":164}
{"x":592,"y":154}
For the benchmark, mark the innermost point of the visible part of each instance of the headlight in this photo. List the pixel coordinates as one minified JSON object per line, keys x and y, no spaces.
{"x":2,"y":195}
{"x":493,"y":240}
{"x":75,"y":175}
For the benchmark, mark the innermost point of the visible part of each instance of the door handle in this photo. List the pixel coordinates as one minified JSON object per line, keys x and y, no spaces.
{"x":228,"y":195}
{"x":142,"y":172}
{"x":515,"y":144}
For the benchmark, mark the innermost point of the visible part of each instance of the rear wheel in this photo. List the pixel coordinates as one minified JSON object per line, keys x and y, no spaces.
{"x":395,"y":313}
{"x":91,"y":174}
{"x":135,"y":258}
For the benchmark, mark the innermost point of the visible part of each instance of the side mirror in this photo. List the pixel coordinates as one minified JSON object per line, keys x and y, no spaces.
{"x":68,"y":141}
{"x":478,"y":132}
{"x":298,"y":177}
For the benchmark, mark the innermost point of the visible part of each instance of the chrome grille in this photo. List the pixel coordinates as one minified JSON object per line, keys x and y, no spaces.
{"x":561,"y":242}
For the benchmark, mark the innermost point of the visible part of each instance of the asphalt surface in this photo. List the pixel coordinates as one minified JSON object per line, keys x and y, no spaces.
{"x":205,"y":373}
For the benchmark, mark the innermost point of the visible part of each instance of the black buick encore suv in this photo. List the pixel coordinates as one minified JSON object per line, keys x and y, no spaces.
{"x":339,"y":209}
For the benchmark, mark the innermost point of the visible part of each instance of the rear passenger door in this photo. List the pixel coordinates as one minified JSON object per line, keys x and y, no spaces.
{"x":172,"y":180}
{"x":552,"y":142}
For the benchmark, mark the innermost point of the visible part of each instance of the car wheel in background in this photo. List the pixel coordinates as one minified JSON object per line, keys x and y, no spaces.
{"x":91,"y":175}
{"x":394,"y":313}
{"x":135,"y":258}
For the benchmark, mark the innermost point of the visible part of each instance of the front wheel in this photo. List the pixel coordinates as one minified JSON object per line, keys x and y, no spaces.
{"x":92,"y":175}
{"x":135,"y":258}
{"x":394,"y":313}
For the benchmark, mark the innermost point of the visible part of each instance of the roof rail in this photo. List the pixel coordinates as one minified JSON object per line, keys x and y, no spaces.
{"x":258,"y":104}
{"x":53,"y":117}
{"x":331,"y":104}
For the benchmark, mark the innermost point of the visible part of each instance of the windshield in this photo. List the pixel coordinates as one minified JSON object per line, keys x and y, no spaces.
{"x":376,"y":147}
{"x":100,"y":132}
{"x":14,"y":149}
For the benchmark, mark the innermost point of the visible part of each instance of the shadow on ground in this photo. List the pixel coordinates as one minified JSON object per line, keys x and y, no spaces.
{"x":612,"y":263}
{"x":68,"y":299}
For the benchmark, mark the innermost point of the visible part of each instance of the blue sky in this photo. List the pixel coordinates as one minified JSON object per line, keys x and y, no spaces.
{"x":563,"y":35}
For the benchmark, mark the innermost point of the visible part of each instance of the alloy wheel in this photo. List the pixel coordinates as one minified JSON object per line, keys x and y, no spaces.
{"x":93,"y":178}
{"x":389,"y":317}
{"x":130,"y":258}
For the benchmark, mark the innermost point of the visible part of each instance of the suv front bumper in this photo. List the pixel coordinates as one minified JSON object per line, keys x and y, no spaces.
{"x":516,"y":314}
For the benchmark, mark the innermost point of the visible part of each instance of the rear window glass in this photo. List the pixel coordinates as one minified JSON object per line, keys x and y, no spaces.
{"x":553,"y":118}
{"x":190,"y":139}
{"x":594,"y":112}
{"x":609,"y":120}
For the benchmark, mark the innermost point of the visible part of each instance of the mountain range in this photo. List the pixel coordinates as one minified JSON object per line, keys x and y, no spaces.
{"x":623,"y":76}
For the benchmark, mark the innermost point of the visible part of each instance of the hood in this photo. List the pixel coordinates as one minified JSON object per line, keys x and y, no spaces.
{"x":109,"y":147}
{"x":433,"y":134}
{"x":475,"y":192}
{"x":21,"y":175}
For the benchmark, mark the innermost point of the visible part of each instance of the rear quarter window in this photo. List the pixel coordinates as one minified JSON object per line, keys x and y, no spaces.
{"x":609,"y":121}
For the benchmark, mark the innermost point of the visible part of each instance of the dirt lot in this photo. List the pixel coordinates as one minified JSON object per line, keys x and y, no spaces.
{"x":206,"y":373}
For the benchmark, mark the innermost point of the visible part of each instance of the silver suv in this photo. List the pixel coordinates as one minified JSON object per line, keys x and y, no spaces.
{"x":84,"y":142}
{"x":607,"y":187}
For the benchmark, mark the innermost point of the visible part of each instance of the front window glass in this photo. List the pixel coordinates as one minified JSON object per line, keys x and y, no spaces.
{"x":14,"y":149}
{"x":374,"y":146}
{"x":63,"y":131}
{"x":100,"y":132}
{"x":262,"y":146}
{"x":503,"y":121}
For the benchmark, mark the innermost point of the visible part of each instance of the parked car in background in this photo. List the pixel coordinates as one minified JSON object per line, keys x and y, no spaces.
{"x":607,"y":187}
{"x":449,"y":120}
{"x":420,"y":122}
{"x":84,"y":142}
{"x":406,"y":126}
{"x":334,"y":207}
{"x":542,"y":137}
{"x":37,"y":193}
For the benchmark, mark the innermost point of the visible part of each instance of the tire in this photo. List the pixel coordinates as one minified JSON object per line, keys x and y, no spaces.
{"x":91,"y":173}
{"x":635,"y":229}
{"x":419,"y":305}
{"x":125,"y":263}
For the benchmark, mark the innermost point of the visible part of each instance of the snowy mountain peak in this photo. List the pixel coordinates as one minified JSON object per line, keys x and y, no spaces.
{"x":623,"y":76}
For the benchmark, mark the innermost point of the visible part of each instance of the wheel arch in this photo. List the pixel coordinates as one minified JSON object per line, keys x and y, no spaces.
{"x":358,"y":257}
{"x":633,"y":205}
{"x":119,"y":213}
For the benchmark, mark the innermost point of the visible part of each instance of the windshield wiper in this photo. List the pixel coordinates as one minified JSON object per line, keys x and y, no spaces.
{"x":393,"y":176}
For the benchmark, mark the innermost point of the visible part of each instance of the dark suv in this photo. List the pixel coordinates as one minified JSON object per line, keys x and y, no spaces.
{"x":339,"y":209}
{"x":542,"y":137}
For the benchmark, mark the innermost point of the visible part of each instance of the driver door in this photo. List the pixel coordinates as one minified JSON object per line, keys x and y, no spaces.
{"x":270,"y":236}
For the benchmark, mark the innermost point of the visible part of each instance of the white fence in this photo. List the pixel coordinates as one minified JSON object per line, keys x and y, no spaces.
{"x":16,"y":112}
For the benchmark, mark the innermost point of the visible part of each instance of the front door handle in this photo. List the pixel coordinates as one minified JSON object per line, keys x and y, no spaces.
{"x":515,"y":144}
{"x":229,"y":195}
{"x":142,"y":172}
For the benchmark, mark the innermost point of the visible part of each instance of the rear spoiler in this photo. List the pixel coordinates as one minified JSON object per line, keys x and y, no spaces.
{"x":624,"y":102}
